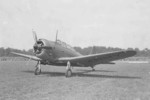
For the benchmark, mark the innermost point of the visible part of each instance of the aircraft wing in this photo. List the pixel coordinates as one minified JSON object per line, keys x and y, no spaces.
{"x":27,"y":56}
{"x":93,"y":59}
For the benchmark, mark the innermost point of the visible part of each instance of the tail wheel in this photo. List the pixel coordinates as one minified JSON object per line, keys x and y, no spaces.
{"x":37,"y":71}
{"x":68,"y":73}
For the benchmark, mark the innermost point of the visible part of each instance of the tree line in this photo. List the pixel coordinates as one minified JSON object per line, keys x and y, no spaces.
{"x":6,"y":52}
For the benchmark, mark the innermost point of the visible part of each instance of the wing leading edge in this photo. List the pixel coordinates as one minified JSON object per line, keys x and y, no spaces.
{"x":27,"y":56}
{"x":94,"y":59}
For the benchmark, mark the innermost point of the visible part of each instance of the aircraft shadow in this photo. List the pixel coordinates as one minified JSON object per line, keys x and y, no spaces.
{"x":82,"y":74}
{"x":86,"y":71}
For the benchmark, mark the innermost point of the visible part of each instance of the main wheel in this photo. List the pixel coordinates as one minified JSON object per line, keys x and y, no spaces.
{"x":37,"y":71}
{"x":68,"y":73}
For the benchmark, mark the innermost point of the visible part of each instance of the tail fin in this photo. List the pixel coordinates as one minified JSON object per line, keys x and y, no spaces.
{"x":93,"y":51}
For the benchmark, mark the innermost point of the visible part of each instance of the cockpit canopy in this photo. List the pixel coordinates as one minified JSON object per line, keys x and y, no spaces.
{"x":64,"y":45}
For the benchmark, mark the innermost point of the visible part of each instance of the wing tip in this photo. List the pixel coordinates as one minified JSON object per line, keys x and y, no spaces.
{"x":131,"y":52}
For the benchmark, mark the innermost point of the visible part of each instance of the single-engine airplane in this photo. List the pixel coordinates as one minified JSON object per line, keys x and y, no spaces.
{"x":61,"y":54}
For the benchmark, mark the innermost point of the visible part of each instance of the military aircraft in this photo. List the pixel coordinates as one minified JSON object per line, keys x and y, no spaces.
{"x":61,"y":54}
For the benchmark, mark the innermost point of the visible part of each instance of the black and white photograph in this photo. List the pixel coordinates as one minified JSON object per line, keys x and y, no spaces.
{"x":74,"y":50}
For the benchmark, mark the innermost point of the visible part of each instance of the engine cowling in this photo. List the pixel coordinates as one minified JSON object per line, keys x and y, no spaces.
{"x":43,"y":49}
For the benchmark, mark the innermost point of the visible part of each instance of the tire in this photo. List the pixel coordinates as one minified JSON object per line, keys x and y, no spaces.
{"x":37,"y":71}
{"x":68,"y":73}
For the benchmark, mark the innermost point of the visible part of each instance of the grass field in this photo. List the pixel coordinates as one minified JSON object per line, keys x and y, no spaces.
{"x":122,"y":81}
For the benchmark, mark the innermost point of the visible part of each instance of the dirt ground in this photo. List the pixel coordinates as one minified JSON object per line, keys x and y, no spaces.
{"x":122,"y":81}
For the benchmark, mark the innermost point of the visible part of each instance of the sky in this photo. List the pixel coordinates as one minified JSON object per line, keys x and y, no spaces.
{"x":110,"y":23}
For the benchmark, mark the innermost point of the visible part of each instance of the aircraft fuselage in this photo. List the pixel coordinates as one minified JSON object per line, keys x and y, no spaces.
{"x":58,"y":49}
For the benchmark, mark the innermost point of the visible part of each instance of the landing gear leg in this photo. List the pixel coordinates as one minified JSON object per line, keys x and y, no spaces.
{"x":92,"y":68}
{"x":38,"y":68}
{"x":68,"y":70}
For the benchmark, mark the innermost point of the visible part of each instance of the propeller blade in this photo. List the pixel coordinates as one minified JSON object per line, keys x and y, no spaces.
{"x":27,"y":63}
{"x":56,"y":35}
{"x":45,"y":47}
{"x":34,"y":36}
{"x":56,"y":38}
{"x":42,"y":47}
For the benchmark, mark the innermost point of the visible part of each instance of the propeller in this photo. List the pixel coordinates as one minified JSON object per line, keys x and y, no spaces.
{"x":56,"y":35}
{"x":45,"y":47}
{"x":34,"y":36}
{"x":56,"y":38}
{"x":27,"y":63}
{"x":38,"y":44}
